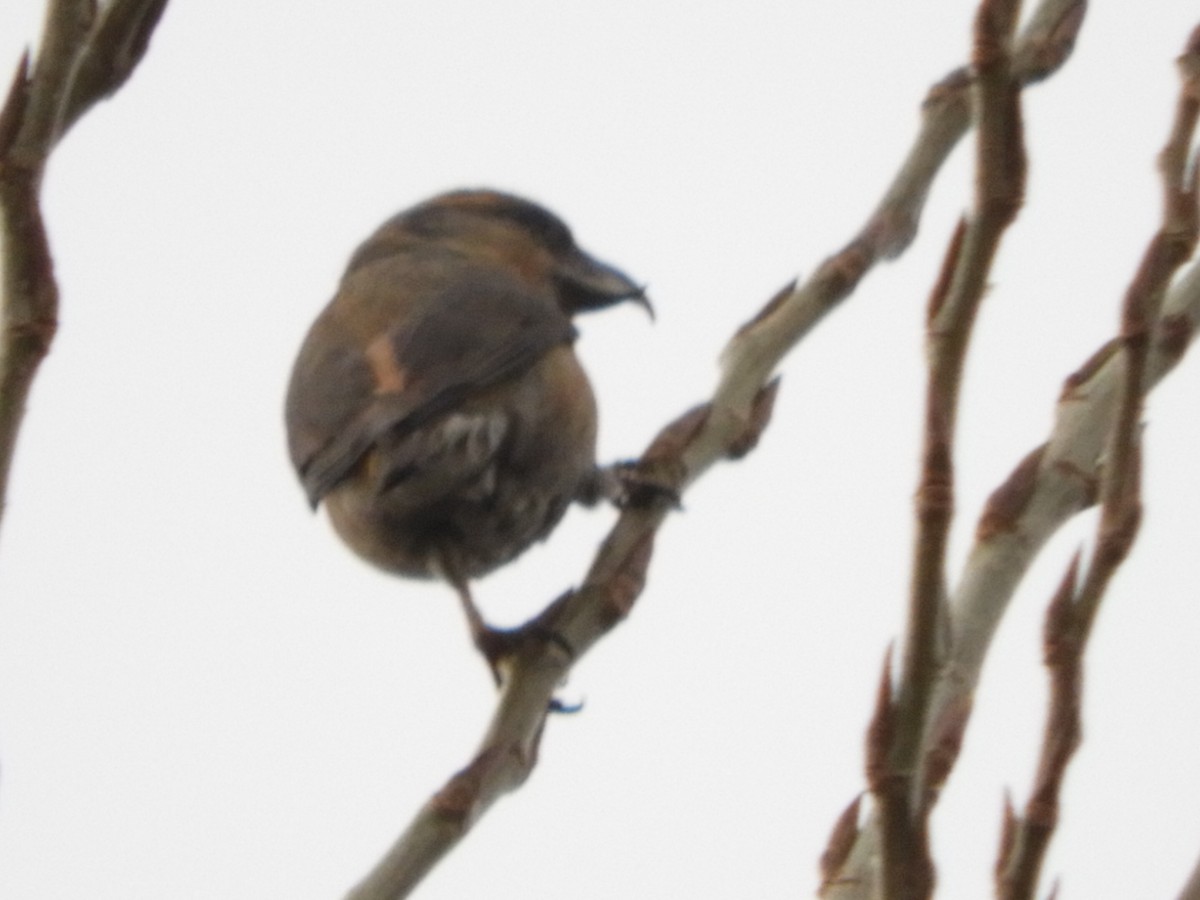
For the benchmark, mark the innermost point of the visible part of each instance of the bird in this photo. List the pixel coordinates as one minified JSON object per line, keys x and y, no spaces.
{"x":437,"y":408}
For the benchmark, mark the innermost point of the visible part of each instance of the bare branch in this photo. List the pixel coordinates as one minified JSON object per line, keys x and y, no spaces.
{"x":504,"y":761}
{"x":907,"y":867}
{"x":1062,"y":477}
{"x":66,"y":31}
{"x":578,"y":619}
{"x":1047,"y":40}
{"x":1025,"y":840}
{"x":118,"y":42}
{"x":841,"y":842}
{"x":1057,"y":480}
{"x":1072,"y":612}
{"x":80,"y":60}
{"x":759,"y":345}
{"x":724,"y":427}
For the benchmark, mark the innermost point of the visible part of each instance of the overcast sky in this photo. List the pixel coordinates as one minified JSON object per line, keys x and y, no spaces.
{"x":204,"y":695}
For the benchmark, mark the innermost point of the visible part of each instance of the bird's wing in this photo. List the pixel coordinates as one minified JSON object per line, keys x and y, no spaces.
{"x":349,"y":389}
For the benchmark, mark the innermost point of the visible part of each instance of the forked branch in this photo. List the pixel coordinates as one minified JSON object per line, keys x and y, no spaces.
{"x":1072,"y":612}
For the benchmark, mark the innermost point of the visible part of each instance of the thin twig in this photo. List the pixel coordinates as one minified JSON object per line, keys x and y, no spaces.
{"x":758,"y":346}
{"x":1072,"y":613}
{"x":81,"y":59}
{"x":1062,"y":477}
{"x":1051,"y":484}
{"x":1024,"y":841}
{"x":907,"y":867}
{"x":119,"y":41}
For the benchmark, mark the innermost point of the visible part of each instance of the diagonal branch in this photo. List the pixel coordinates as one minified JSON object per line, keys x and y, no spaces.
{"x":727,"y":425}
{"x":578,"y":619}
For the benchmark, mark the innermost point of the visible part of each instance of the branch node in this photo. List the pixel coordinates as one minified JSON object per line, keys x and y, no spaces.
{"x":1174,"y":333}
{"x":760,"y":416}
{"x":882,"y":730}
{"x":12,"y":114}
{"x":1006,"y":504}
{"x":840,"y":843}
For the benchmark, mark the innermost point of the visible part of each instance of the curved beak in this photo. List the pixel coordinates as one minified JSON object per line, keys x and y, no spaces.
{"x":586,"y":283}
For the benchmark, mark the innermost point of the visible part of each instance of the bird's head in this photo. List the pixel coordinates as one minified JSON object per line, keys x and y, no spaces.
{"x":531,"y":240}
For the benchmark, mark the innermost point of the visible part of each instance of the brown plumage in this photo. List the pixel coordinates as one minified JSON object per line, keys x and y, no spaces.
{"x":437,"y":408}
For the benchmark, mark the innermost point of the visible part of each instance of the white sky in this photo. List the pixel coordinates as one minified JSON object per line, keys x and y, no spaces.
{"x":203,"y":695}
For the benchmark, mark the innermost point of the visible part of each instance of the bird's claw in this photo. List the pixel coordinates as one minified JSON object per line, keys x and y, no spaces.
{"x":632,"y":484}
{"x":499,"y":646}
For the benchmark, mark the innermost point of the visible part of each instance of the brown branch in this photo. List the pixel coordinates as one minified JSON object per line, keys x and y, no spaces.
{"x":504,"y":761}
{"x":906,"y":866}
{"x":1053,"y":482}
{"x":68,"y":23}
{"x":841,"y":841}
{"x":946,"y":116}
{"x":1072,"y":613}
{"x":118,"y":42}
{"x":578,"y":619}
{"x":1062,"y":477}
{"x":1026,"y":840}
{"x":80,"y":59}
{"x":1069,"y":619}
{"x":725,"y":426}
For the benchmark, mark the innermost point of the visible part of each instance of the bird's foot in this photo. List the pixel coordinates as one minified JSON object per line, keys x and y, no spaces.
{"x":631,"y":484}
{"x":499,"y":646}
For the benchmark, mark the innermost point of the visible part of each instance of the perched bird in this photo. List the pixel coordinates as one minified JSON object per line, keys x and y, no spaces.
{"x":437,"y":407}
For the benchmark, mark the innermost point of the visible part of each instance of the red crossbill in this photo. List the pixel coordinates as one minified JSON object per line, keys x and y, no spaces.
{"x":437,"y":407}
